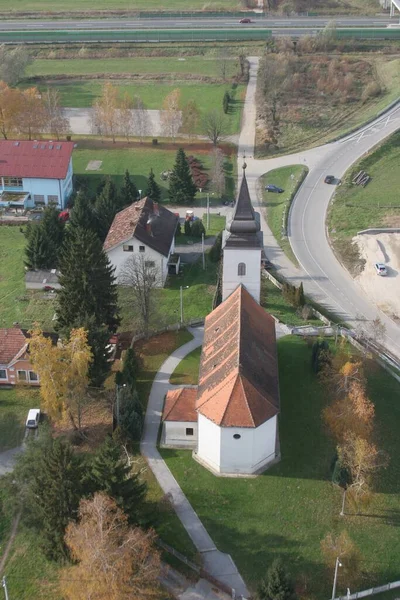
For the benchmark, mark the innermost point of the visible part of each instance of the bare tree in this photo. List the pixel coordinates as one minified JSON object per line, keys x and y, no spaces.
{"x":13,"y":63}
{"x":190,"y":117}
{"x":126,"y":116}
{"x":142,"y":276}
{"x":214,"y":126}
{"x":217,"y":171}
{"x":32,"y":115}
{"x":10,"y":106}
{"x":105,"y":115}
{"x":223,"y":63}
{"x":171,"y":117}
{"x":141,"y":121}
{"x":57,"y":123}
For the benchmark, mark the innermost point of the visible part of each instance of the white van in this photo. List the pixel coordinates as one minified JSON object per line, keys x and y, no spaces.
{"x":33,"y":418}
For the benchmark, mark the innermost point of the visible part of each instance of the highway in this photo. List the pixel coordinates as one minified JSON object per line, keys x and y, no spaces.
{"x":200,"y":22}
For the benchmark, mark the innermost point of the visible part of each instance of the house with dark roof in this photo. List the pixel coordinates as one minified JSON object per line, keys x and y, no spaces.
{"x":231,"y":419}
{"x":146,"y":230}
{"x":35,"y":173}
{"x":15,"y":366}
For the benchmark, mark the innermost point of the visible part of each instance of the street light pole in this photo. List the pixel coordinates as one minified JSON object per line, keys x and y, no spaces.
{"x":202,"y":251}
{"x":337,"y":565}
{"x":343,"y":502}
{"x":181,"y":293}
{"x":208,"y":211}
{"x":4,"y":584}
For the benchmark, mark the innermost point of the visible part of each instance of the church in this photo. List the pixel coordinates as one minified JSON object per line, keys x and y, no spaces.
{"x":230,"y":420}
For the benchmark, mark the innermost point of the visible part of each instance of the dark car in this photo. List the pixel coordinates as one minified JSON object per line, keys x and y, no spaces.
{"x":329,"y":179}
{"x":274,"y":188}
{"x":245,"y":20}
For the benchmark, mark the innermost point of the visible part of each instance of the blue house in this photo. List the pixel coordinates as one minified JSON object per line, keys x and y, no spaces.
{"x":35,"y":173}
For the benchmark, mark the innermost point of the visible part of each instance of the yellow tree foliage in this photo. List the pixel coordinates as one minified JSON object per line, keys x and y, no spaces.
{"x":362,"y":458}
{"x":342,"y":547}
{"x":32,"y":118}
{"x":10,"y":106}
{"x":114,"y":561}
{"x":105,"y":111}
{"x":63,"y":373}
{"x":171,"y":118}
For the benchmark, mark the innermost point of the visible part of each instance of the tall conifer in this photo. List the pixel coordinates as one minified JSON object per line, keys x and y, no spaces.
{"x":107,"y":205}
{"x":182,"y":190}
{"x":153,"y":189}
{"x":128,"y":192}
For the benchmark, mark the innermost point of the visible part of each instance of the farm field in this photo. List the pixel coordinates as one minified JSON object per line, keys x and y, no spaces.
{"x":290,"y":508}
{"x":355,"y":208}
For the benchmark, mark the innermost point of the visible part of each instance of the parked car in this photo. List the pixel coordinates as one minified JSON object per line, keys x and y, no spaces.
{"x":274,"y":188}
{"x":33,"y":418}
{"x":380,"y":269}
{"x":245,"y":20}
{"x":329,"y":179}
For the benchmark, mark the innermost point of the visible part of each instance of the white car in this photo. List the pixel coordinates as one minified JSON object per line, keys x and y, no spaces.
{"x":33,"y":418}
{"x":380,"y":269}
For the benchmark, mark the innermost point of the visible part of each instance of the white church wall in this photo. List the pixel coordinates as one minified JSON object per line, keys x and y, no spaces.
{"x":251,"y":451}
{"x":178,"y":434}
{"x":209,"y":442}
{"x":232,"y":257}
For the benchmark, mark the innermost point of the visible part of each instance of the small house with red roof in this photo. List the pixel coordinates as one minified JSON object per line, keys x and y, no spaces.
{"x":146,"y":230}
{"x":35,"y":173}
{"x":15,"y":366}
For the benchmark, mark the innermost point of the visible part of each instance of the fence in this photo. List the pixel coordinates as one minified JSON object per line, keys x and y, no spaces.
{"x":371,"y":591}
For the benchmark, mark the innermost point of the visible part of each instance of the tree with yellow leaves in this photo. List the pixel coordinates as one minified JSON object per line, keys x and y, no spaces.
{"x":114,"y":561}
{"x":171,"y":117}
{"x":63,"y":373}
{"x":105,"y":116}
{"x":341,"y":547}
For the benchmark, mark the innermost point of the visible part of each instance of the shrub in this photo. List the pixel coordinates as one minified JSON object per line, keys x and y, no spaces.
{"x":225,"y":102}
{"x":215,"y":252}
{"x":198,"y":228}
{"x":188,"y":227}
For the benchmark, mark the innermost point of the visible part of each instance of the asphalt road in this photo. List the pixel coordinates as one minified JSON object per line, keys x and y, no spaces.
{"x":308,"y":23}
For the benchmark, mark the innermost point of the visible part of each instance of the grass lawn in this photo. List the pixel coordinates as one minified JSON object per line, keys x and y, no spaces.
{"x":128,"y":5}
{"x":14,"y":407}
{"x":81,"y":93}
{"x":139,"y":160}
{"x":355,"y":208}
{"x":289,"y":179}
{"x":193,"y":65}
{"x":18,"y":304}
{"x":274,"y":302}
{"x":217,"y":224}
{"x":197,"y":297}
{"x":289,"y":509}
{"x":187,"y":372}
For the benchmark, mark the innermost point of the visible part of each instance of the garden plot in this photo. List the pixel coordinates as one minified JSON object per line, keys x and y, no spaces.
{"x":383,"y":291}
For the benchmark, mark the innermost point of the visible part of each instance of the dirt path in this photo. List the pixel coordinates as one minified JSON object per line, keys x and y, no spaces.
{"x":10,"y":542}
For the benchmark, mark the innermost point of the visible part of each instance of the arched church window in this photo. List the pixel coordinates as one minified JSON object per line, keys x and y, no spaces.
{"x":241,"y":269}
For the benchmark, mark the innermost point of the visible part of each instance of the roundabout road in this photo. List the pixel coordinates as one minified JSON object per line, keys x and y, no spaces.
{"x":325,"y":279}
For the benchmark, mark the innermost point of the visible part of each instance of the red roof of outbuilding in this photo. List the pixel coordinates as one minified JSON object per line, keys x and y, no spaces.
{"x":12,"y":341}
{"x":41,"y":160}
{"x":180,"y":405}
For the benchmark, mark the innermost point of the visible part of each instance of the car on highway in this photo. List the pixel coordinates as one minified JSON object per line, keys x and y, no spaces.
{"x":274,"y":188}
{"x":245,"y":20}
{"x":329,"y":179}
{"x":380,"y":269}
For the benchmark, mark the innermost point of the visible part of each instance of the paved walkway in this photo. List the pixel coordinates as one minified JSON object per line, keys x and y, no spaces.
{"x":218,"y":564}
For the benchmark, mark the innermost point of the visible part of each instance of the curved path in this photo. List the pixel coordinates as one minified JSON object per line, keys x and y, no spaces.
{"x":218,"y":564}
{"x":324,"y":278}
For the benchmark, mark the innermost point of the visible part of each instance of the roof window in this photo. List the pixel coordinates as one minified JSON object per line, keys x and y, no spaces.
{"x":16,"y":143}
{"x":58,"y":147}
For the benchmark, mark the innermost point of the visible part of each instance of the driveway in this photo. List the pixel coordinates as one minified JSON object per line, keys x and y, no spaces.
{"x":325,"y":279}
{"x":7,"y":460}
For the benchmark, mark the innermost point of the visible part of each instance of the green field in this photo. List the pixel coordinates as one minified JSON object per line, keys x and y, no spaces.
{"x":274,"y":302}
{"x":14,"y":407}
{"x":289,"y":509}
{"x":16,"y":303}
{"x":139,"y":160}
{"x":187,"y":372}
{"x":289,"y":179}
{"x":127,"y":5}
{"x":355,"y":208}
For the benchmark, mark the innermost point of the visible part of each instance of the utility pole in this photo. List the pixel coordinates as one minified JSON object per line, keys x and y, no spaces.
{"x":5,"y":587}
{"x":181,"y":296}
{"x":337,"y":565}
{"x":202,"y":251}
{"x":117,"y":400}
{"x":208,"y":211}
{"x":343,"y":503}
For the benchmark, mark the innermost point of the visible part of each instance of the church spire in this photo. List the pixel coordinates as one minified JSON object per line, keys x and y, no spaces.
{"x":244,"y":220}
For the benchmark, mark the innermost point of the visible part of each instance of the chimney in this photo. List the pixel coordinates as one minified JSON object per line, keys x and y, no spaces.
{"x":156,"y":210}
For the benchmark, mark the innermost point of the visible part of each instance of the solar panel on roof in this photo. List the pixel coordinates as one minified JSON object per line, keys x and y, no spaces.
{"x":16,"y":143}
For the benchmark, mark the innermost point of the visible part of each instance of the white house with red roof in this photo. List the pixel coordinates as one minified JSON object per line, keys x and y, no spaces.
{"x":35,"y":173}
{"x":144,"y":229}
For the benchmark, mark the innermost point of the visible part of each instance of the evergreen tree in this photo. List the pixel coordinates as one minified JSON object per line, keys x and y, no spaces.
{"x":82,"y":214}
{"x":107,"y":206}
{"x":98,"y":340}
{"x":153,"y":190}
{"x":130,"y":368}
{"x":110,"y":474}
{"x":131,"y":415}
{"x":198,"y":228}
{"x":277,"y":584}
{"x":36,"y":249}
{"x":54,"y":492}
{"x":182,"y":190}
{"x":128,"y":192}
{"x":188,"y":227}
{"x":44,"y":241}
{"x":225,"y":102}
{"x":215,"y":252}
{"x":302,"y":299}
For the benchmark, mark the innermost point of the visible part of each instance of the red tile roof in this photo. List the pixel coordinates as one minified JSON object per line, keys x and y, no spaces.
{"x":41,"y":160}
{"x":238,"y":381}
{"x":12,"y":341}
{"x":150,"y":222}
{"x":180,"y":405}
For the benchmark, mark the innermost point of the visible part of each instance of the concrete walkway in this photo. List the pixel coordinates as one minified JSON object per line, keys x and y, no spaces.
{"x":218,"y":564}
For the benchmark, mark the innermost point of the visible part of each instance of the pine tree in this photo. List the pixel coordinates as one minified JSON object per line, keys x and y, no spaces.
{"x":130,"y":368}
{"x":36,"y":250}
{"x":55,"y":492}
{"x":153,"y":190}
{"x":128,"y":192}
{"x":82,"y":214}
{"x":44,"y":241}
{"x":301,"y":297}
{"x":110,"y":474}
{"x":188,"y":227}
{"x":198,"y":228}
{"x":182,"y":190}
{"x":225,"y":102}
{"x":215,"y":252}
{"x":107,"y":206}
{"x":98,"y":340}
{"x":277,"y":584}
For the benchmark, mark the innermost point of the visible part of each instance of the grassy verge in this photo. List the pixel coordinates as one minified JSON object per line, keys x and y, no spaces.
{"x":274,"y":302}
{"x":217,"y":224}
{"x":127,"y":5}
{"x":139,"y":160}
{"x":197,"y":297}
{"x":14,"y":407}
{"x":289,"y":179}
{"x":187,"y":372}
{"x":16,"y":303}
{"x":288,"y":510}
{"x":377,"y":205}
